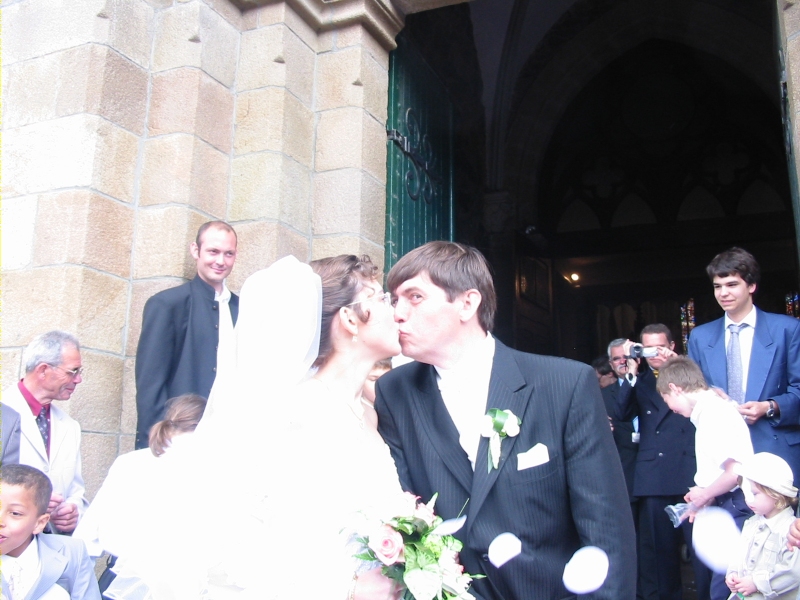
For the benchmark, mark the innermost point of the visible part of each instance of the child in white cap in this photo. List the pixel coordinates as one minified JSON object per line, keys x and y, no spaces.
{"x":764,"y":567}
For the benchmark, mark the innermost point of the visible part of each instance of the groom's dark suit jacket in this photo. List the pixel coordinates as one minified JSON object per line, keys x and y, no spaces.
{"x":576,"y":498}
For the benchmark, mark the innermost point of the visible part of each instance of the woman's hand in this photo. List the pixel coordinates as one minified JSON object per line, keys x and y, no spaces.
{"x":374,"y":585}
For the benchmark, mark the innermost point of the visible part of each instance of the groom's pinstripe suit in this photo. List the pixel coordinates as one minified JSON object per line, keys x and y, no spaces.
{"x":578,"y":498}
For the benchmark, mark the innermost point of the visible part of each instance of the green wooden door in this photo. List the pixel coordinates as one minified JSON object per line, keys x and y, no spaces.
{"x":419,"y":158}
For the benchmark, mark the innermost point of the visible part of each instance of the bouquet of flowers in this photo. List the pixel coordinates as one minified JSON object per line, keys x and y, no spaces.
{"x":417,"y":549}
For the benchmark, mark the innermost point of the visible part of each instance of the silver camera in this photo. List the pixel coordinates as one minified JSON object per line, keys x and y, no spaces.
{"x":639,"y":351}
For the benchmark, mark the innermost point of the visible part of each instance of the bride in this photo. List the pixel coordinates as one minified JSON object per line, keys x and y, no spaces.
{"x":264,"y":501}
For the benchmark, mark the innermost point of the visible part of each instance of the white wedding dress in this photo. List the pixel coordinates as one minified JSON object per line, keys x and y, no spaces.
{"x":263,"y":501}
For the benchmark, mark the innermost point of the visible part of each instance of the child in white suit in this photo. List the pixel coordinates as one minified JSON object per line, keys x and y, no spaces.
{"x":763,"y":566}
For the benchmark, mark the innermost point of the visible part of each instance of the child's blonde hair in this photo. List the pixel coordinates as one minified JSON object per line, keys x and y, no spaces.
{"x":682,"y":372}
{"x":781,"y":500}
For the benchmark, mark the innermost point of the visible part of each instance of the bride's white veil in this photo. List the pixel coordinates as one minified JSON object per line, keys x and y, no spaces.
{"x":208,"y":494}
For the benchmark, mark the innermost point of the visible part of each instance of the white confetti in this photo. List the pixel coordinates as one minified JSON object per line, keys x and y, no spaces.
{"x":586,"y":571}
{"x":714,"y":537}
{"x":450,"y":526}
{"x":503,"y":548}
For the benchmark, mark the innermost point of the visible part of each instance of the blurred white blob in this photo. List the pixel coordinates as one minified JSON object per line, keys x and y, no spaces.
{"x":586,"y":571}
{"x":450,"y":526}
{"x":714,"y":537}
{"x":503,"y":548}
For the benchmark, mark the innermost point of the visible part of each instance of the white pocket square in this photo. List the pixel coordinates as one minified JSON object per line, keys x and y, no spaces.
{"x":538,"y":455}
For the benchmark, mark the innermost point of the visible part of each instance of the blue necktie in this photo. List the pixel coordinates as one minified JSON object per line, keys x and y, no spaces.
{"x":734,"y":357}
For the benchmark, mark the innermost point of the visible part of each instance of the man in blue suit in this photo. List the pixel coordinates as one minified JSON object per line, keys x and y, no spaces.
{"x":767,"y":384}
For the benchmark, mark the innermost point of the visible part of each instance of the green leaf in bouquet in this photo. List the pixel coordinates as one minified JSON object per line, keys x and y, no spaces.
{"x":367,"y":556}
{"x":424,"y":584}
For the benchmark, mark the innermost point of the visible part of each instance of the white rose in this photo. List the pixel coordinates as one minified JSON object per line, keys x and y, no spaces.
{"x":487,"y":426}
{"x":511,"y":426}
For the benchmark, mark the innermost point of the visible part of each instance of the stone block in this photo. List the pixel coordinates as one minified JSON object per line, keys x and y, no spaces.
{"x":349,"y":137}
{"x":227,"y":11}
{"x":192,"y":34}
{"x":50,"y":155}
{"x":141,"y":293}
{"x":346,"y":244}
{"x":18,"y":218}
{"x":95,"y":307}
{"x":89,"y":78}
{"x":273,"y":119}
{"x":127,"y":443}
{"x":39,"y":27}
{"x":10,"y":366}
{"x":115,"y":156}
{"x":357,"y":35}
{"x":374,"y":148}
{"x":292,"y":242}
{"x":161,"y":246}
{"x":790,"y":17}
{"x":349,"y":201}
{"x":282,"y":12}
{"x":130,"y":25}
{"x":272,"y":186}
{"x":128,"y":414}
{"x":189,"y":101}
{"x":275,"y":56}
{"x":182,"y":169}
{"x":82,"y":227}
{"x":352,"y":77}
{"x":98,"y":451}
{"x":97,"y":401}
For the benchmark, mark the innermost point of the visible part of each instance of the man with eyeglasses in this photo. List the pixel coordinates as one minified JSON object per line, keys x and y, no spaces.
{"x":50,"y":439}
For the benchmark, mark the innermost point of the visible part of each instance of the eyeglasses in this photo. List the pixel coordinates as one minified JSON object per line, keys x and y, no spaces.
{"x":385,"y":297}
{"x":72,"y":373}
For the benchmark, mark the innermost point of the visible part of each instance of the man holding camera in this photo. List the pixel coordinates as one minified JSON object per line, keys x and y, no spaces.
{"x":665,"y":465}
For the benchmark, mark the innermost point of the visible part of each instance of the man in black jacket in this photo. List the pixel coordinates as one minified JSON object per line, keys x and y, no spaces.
{"x":186,"y":328}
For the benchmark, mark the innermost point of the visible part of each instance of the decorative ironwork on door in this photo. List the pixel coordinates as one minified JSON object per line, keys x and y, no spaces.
{"x":419,"y":163}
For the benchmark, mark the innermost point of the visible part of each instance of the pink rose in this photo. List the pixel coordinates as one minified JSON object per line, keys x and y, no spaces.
{"x":387,"y":544}
{"x":424,"y":513}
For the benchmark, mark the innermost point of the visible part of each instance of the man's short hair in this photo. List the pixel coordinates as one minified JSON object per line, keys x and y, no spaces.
{"x":453,"y":267}
{"x":601,"y":365}
{"x":31,"y":479}
{"x":48,"y":348}
{"x":683,"y":372}
{"x":735,"y":261}
{"x":654,"y":329}
{"x":614,"y":344}
{"x":214,"y":225}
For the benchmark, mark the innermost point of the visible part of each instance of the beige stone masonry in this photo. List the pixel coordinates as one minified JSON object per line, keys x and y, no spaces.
{"x":269,"y":185}
{"x":163,"y":236}
{"x":128,"y":413}
{"x":33,"y":302}
{"x":77,"y":151}
{"x":17,"y":240}
{"x":348,"y":200}
{"x":347,"y":244}
{"x":186,"y":100}
{"x":98,"y":451}
{"x":85,"y":228}
{"x":97,"y":401}
{"x":349,"y":137}
{"x":276,"y":56}
{"x":274,"y":119}
{"x":192,"y":34}
{"x":10,"y":366}
{"x":183,"y":169}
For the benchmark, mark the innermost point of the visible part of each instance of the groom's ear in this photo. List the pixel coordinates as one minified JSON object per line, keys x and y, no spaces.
{"x":470,"y":300}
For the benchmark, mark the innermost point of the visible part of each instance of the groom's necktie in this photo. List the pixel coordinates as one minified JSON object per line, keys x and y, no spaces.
{"x":734,"y":357}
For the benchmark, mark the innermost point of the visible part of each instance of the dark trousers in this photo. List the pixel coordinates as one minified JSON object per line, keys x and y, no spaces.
{"x":732,"y":502}
{"x":660,"y":549}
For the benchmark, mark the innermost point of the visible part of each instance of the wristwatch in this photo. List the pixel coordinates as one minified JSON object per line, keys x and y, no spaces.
{"x":771,"y":409}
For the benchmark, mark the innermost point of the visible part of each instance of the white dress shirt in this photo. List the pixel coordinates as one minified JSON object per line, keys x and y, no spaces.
{"x":465,"y":389}
{"x":745,"y":344}
{"x":226,"y":350}
{"x":21,"y":573}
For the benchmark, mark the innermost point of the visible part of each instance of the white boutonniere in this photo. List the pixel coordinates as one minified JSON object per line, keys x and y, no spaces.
{"x":497,"y":424}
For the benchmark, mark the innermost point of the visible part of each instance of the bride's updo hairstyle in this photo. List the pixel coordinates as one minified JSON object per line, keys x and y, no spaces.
{"x":182,"y":416}
{"x":342,"y":278}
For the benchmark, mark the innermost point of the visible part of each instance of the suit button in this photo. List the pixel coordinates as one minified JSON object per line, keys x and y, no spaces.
{"x":485,"y":558}
{"x":657,"y":432}
{"x":648,"y":412}
{"x":661,"y":454}
{"x":216,"y":326}
{"x":214,"y":369}
{"x":214,"y":307}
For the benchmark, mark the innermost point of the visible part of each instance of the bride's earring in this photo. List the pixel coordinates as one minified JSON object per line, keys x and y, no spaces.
{"x":355,"y":337}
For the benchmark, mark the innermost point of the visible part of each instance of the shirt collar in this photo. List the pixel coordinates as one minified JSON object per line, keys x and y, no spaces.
{"x":33,"y":403}
{"x":28,"y":560}
{"x":224,"y":295}
{"x":780,"y":522}
{"x":750,"y":319}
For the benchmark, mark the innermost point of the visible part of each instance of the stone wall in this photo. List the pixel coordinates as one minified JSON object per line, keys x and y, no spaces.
{"x":128,"y":123}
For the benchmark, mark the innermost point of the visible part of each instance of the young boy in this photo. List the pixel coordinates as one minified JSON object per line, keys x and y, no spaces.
{"x":722,"y":440}
{"x":368,"y":391}
{"x":38,"y":566}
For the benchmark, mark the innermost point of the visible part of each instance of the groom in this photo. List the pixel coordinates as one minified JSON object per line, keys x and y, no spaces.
{"x":558,"y":485}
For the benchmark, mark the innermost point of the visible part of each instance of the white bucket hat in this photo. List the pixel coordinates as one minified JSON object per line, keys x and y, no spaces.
{"x":770,"y":471}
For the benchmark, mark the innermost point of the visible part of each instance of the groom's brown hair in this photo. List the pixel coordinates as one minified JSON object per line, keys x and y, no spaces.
{"x":453,"y":267}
